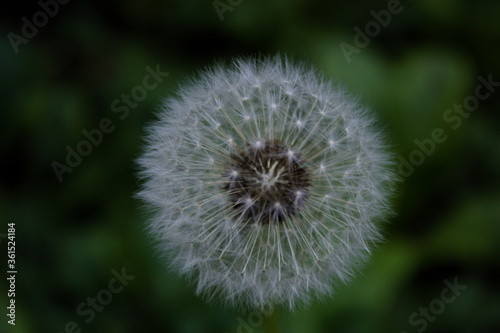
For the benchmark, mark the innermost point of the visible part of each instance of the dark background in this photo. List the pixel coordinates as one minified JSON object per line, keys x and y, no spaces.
{"x":70,"y":235}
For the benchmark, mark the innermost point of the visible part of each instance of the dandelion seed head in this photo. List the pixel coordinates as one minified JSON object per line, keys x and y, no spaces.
{"x":267,"y":183}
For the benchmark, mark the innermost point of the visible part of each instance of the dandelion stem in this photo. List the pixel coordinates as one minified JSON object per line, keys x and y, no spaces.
{"x":271,"y":323}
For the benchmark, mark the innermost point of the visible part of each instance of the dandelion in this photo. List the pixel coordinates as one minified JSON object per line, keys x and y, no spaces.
{"x":267,"y":185}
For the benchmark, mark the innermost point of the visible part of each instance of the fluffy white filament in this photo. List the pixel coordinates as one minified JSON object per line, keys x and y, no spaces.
{"x":302,"y":246}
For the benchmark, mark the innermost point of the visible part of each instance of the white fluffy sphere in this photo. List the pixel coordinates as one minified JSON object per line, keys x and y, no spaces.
{"x":267,"y":184}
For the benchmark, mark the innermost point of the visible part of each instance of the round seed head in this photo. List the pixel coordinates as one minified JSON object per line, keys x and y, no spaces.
{"x":267,"y":183}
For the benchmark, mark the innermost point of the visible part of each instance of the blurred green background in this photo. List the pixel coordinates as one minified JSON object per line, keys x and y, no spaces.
{"x":72,"y":234}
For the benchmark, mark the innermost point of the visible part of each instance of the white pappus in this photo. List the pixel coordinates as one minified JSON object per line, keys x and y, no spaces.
{"x":267,"y":183}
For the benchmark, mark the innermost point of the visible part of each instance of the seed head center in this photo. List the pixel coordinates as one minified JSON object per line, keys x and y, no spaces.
{"x":270,"y":176}
{"x":264,"y":184}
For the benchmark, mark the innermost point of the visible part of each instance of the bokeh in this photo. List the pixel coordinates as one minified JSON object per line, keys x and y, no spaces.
{"x":89,"y":71}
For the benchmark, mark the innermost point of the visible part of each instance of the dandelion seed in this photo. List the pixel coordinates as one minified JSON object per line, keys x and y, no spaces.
{"x":268,"y":185}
